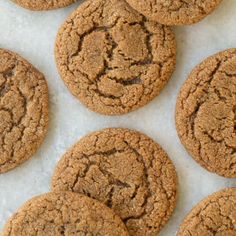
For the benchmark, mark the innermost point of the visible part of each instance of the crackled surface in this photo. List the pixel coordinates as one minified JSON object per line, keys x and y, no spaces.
{"x":125,"y":170}
{"x":206,"y":113}
{"x":39,"y":5}
{"x":112,"y":58}
{"x":175,"y":12}
{"x":23,"y":110}
{"x":214,"y":216}
{"x":64,"y":214}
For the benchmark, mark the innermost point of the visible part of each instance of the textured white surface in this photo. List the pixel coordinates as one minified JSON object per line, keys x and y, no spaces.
{"x":32,"y":34}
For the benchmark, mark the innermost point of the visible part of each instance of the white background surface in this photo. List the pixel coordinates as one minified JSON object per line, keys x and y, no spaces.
{"x":32,"y":34}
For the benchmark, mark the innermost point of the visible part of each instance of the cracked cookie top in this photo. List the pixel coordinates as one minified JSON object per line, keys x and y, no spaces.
{"x":23,"y":110}
{"x":112,"y":58}
{"x":206,"y":113}
{"x":175,"y":12}
{"x":125,"y":170}
{"x":215,"y":215}
{"x":70,"y":214}
{"x":40,"y":5}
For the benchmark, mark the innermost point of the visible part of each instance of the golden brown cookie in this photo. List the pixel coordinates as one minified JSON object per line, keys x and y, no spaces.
{"x":40,"y":5}
{"x":215,"y":215}
{"x":125,"y":170}
{"x":58,"y":214}
{"x":206,"y":112}
{"x":112,"y":58}
{"x":175,"y":12}
{"x":23,"y":110}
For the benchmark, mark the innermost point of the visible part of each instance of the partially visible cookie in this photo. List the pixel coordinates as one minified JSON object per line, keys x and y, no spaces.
{"x":215,"y":215}
{"x":175,"y":12}
{"x":125,"y":170}
{"x":112,"y":58}
{"x":58,"y":214}
{"x":206,"y":113}
{"x":40,"y":5}
{"x":23,"y":110}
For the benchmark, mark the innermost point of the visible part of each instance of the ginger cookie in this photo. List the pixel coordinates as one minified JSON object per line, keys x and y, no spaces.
{"x":125,"y":170}
{"x":206,"y":113}
{"x":40,"y":5}
{"x":215,"y":215}
{"x":67,"y":213}
{"x":23,"y":110}
{"x":177,"y":12}
{"x":112,"y":58}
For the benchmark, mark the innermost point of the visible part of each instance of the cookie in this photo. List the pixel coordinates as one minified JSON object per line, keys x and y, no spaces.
{"x":112,"y":58}
{"x":23,"y":110}
{"x":177,"y":12}
{"x":71,"y":214}
{"x":125,"y":170}
{"x":40,"y":5}
{"x":206,"y":111}
{"x":215,"y":215}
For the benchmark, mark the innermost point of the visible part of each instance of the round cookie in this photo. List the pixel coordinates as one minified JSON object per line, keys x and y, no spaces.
{"x":24,"y":110}
{"x":177,"y":12}
{"x":40,"y":5}
{"x":206,"y":111}
{"x":112,"y":58}
{"x":70,"y":214}
{"x":125,"y":170}
{"x":215,"y":215}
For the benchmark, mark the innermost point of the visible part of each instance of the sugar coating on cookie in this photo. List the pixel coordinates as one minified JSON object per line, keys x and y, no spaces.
{"x":58,"y":214}
{"x":215,"y":215}
{"x":23,"y":110}
{"x":112,"y":58}
{"x":125,"y":170}
{"x":40,"y":5}
{"x":175,"y":12}
{"x":206,"y":111}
